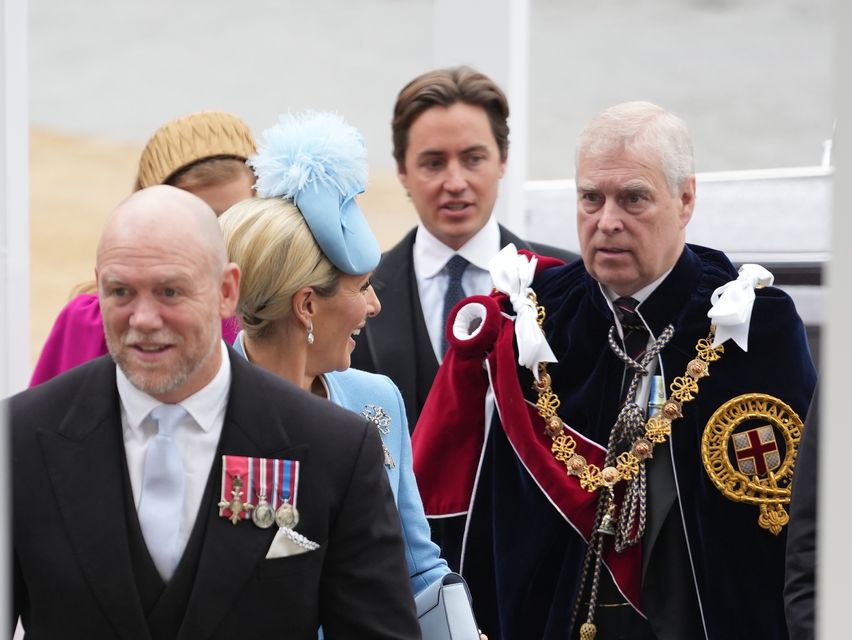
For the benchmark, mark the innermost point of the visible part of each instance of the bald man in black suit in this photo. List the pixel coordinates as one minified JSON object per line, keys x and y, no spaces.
{"x":87,"y":564}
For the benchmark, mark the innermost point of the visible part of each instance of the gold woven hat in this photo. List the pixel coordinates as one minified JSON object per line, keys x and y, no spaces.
{"x":186,"y":140}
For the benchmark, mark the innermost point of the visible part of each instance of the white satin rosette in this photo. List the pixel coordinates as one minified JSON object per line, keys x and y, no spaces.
{"x":733,"y":303}
{"x":512,"y":274}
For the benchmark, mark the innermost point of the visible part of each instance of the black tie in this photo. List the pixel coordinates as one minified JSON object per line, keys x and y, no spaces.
{"x":455,"y":293}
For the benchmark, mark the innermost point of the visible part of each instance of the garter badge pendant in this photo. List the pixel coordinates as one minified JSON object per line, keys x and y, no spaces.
{"x":749,"y":450}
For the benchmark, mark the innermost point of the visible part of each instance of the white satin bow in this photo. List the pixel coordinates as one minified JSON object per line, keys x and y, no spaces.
{"x":512,"y":274}
{"x":733,"y":303}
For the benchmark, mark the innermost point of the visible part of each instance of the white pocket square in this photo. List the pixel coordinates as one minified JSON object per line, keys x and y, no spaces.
{"x":283,"y":546}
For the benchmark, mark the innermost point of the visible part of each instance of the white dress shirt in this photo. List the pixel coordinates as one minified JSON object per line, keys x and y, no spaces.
{"x":430,"y":257}
{"x":196,"y":437}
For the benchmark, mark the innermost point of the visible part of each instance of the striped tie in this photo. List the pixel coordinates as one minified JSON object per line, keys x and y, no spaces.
{"x":635,"y":333}
{"x":635,"y":336}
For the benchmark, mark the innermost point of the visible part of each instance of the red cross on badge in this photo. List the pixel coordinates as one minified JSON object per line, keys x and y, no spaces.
{"x":757,"y":451}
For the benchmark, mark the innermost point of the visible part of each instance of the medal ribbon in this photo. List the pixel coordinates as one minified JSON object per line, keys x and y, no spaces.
{"x":262,"y":476}
{"x":249,"y":488}
{"x":276,"y":499}
{"x":289,"y":484}
{"x":257,"y":474}
{"x":239,"y":467}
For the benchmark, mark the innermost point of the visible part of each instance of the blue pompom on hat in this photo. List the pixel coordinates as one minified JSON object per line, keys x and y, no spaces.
{"x":319,"y":162}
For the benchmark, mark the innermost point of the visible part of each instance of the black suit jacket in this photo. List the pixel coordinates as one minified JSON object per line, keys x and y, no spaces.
{"x":800,"y":577}
{"x":396,"y":342}
{"x":73,"y":571}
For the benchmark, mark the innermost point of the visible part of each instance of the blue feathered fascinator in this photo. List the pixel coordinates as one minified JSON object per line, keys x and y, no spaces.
{"x":319,"y":162}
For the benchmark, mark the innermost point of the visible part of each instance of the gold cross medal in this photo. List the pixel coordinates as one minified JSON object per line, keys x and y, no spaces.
{"x":749,"y":451}
{"x":235,"y":505}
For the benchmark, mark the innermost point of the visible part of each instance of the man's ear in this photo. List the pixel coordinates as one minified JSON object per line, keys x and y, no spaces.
{"x":402,"y":176}
{"x":229,"y":290}
{"x":97,"y":286}
{"x":687,"y":201}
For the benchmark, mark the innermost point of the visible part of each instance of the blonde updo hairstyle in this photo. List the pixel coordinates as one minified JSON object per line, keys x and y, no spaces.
{"x":277,"y":254}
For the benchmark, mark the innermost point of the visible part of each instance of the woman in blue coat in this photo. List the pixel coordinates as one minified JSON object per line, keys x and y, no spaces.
{"x":306,"y":254}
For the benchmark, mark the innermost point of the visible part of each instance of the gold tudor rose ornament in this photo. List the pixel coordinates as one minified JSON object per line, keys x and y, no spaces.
{"x":760,"y":474}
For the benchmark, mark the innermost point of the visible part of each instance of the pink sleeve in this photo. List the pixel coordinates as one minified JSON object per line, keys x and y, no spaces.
{"x":230,"y":329}
{"x":77,"y":336}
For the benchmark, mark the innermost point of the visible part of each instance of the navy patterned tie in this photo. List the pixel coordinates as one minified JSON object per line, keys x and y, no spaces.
{"x":455,"y":293}
{"x":635,"y":336}
{"x":635,"y":333}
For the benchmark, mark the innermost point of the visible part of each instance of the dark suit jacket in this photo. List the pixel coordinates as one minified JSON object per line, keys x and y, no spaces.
{"x":75,"y":573}
{"x":396,"y":342}
{"x":800,"y":578}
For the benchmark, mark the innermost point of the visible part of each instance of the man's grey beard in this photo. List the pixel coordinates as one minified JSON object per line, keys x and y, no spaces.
{"x":170,"y":380}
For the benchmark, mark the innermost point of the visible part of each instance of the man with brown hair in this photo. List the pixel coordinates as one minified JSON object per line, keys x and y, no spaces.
{"x":451,"y":143}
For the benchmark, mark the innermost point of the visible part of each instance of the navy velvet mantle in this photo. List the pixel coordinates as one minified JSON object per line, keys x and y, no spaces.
{"x":522,"y":559}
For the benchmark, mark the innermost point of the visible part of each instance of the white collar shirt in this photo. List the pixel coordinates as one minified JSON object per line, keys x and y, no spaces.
{"x":640,"y":296}
{"x":196,"y":436}
{"x":430,"y":257}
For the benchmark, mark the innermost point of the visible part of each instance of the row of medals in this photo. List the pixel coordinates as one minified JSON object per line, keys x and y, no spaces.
{"x":262,"y":514}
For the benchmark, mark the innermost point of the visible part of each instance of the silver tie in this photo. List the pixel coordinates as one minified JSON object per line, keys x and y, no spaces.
{"x":161,"y":502}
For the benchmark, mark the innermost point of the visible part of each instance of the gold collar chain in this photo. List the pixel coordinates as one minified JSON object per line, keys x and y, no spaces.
{"x":657,"y":428}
